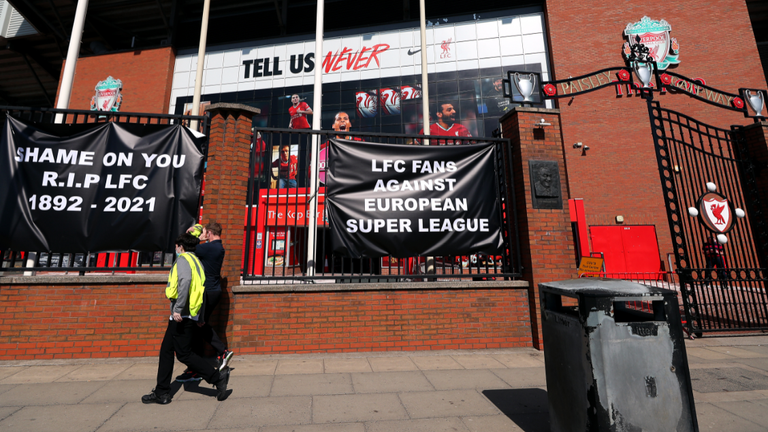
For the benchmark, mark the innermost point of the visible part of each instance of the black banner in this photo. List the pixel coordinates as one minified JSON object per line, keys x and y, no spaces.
{"x":97,"y":187}
{"x":408,"y":200}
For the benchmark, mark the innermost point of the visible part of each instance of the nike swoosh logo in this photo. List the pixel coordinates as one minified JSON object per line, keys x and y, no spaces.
{"x":413,"y":52}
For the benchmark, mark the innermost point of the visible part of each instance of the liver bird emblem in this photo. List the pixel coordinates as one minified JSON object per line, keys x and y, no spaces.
{"x":717,"y":212}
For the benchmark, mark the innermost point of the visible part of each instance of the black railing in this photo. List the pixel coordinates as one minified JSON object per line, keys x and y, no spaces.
{"x":78,"y":262}
{"x":276,"y":232}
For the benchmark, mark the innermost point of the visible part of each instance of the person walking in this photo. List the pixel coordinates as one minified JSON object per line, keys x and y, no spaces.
{"x":185,"y":292}
{"x":211,"y":255}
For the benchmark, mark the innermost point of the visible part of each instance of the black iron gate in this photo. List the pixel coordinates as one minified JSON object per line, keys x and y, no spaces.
{"x":723,"y":285}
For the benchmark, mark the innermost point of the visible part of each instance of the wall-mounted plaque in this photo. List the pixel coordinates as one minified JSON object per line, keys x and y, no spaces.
{"x":545,"y":185}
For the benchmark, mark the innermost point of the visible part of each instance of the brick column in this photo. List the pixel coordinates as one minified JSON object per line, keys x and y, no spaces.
{"x":226,"y":183}
{"x":756,"y":143}
{"x":546,"y":239}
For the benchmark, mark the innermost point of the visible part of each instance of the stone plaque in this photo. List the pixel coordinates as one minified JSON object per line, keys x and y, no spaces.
{"x":545,"y":185}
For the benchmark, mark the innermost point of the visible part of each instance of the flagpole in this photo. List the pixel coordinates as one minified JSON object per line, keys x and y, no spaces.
{"x":317,"y":109}
{"x":200,"y":63}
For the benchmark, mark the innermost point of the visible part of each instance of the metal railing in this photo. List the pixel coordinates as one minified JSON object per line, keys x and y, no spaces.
{"x":276,"y":237}
{"x":58,"y":262}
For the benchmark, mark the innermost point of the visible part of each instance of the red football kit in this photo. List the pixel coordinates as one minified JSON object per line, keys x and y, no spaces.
{"x":456,"y":130}
{"x":288,"y":169}
{"x":298,"y":121}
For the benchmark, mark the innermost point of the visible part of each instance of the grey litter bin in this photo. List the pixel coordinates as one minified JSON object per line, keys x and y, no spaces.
{"x":610,"y":365}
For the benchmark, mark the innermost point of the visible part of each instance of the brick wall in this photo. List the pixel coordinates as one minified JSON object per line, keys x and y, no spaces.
{"x":381,"y":320}
{"x":65,"y":320}
{"x":147,"y":77}
{"x":619,"y":174}
{"x":756,"y":143}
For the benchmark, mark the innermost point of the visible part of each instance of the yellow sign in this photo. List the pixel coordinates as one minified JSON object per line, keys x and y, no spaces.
{"x":590,"y":265}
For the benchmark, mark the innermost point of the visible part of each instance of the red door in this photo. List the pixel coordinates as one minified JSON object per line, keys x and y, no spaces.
{"x":627,"y":248}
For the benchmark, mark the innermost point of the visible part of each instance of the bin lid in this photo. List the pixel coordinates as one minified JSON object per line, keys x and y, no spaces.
{"x":603,"y":287}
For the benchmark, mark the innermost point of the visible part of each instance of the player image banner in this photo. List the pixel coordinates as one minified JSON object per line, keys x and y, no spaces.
{"x":409,"y":200}
{"x":97,"y":187}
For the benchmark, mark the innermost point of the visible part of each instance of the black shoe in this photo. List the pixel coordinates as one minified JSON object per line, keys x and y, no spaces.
{"x":221,"y":385}
{"x":188,"y":375}
{"x":156,"y":398}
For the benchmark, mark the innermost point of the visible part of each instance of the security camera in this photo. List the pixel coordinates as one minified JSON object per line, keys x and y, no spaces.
{"x":586,"y":148}
{"x":577,"y":145}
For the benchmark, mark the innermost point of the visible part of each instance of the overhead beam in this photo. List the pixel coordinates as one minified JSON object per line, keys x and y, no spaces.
{"x":25,"y":50}
{"x":37,"y":78}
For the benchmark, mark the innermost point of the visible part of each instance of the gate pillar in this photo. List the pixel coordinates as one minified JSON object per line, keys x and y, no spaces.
{"x":546,"y":239}
{"x":224,"y":199}
{"x":755,"y":141}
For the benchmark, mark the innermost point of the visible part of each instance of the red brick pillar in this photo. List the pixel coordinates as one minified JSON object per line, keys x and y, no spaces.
{"x":756,"y":143}
{"x":226,"y":184}
{"x":546,"y":239}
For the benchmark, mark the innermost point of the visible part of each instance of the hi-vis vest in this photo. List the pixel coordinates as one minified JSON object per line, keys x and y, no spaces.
{"x":196,"y":287}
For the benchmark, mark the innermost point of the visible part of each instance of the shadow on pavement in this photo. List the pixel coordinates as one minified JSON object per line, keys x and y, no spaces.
{"x":527,"y":408}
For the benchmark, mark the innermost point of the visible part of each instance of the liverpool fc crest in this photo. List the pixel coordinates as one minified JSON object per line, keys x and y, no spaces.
{"x":108,"y":97}
{"x":655,"y":36}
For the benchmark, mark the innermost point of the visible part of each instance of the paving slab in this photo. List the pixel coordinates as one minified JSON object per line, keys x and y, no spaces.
{"x":125,"y":391}
{"x":239,"y":387}
{"x":758,"y":363}
{"x":734,"y":396}
{"x":390,"y":382}
{"x":392,"y":364}
{"x":465,"y":379}
{"x":491,"y":423}
{"x":145,"y":417}
{"x":708,"y":354}
{"x":314,"y":384}
{"x":436,"y":363}
{"x":268,"y":411}
{"x":520,"y":360}
{"x":478,"y":361}
{"x":6,"y":411}
{"x":96,"y":372}
{"x":39,"y":374}
{"x":75,"y":418}
{"x":736,"y":352}
{"x":451,"y":424}
{"x":49,"y":394}
{"x":251,"y":367}
{"x":357,"y":408}
{"x":447,"y":404}
{"x":5,"y":387}
{"x":299,"y":366}
{"x":138,"y":371}
{"x":727,"y":380}
{"x":759,"y":349}
{"x":7,"y":371}
{"x":347,"y":365}
{"x":754,"y":411}
{"x":335,"y":427}
{"x":516,"y":402}
{"x":523,"y":377}
{"x":713,"y":418}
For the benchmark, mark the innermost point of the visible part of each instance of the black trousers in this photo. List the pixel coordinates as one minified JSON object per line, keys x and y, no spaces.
{"x":206,"y":332}
{"x":178,"y":340}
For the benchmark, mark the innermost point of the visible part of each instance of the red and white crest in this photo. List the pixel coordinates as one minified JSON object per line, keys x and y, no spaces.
{"x":367,"y":103}
{"x":409,"y":92}
{"x":717,"y":212}
{"x":390,"y":101}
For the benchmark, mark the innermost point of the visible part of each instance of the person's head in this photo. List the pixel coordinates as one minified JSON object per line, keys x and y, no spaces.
{"x":445,"y":113}
{"x":211,"y":231}
{"x":545,"y":177}
{"x":285,"y":152}
{"x":295,"y":99}
{"x":186,"y":242}
{"x":498,"y":84}
{"x":342,"y":123}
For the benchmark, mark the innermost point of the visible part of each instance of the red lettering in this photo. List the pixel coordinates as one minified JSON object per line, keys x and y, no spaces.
{"x":618,"y":88}
{"x":351,"y":60}
{"x":337,"y":64}
{"x":328,"y":61}
{"x":377,"y":49}
{"x":701,"y":80}
{"x":360,"y":58}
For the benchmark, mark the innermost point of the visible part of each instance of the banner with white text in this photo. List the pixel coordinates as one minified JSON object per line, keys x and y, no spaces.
{"x":409,"y":200}
{"x":97,"y":187}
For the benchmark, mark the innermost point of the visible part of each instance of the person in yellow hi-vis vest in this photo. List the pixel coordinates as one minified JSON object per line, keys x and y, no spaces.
{"x":185,"y":291}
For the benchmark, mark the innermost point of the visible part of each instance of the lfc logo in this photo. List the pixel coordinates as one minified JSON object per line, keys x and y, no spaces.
{"x":717,"y":211}
{"x":655,"y":36}
{"x":108,"y":97}
{"x":446,"y":46}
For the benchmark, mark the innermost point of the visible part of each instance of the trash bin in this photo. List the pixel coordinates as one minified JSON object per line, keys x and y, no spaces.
{"x":615,"y":357}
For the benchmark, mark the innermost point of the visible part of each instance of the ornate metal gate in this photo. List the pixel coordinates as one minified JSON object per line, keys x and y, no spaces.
{"x":723,"y":285}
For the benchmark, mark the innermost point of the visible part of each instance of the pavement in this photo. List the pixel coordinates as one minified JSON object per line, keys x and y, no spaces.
{"x":480,"y":390}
